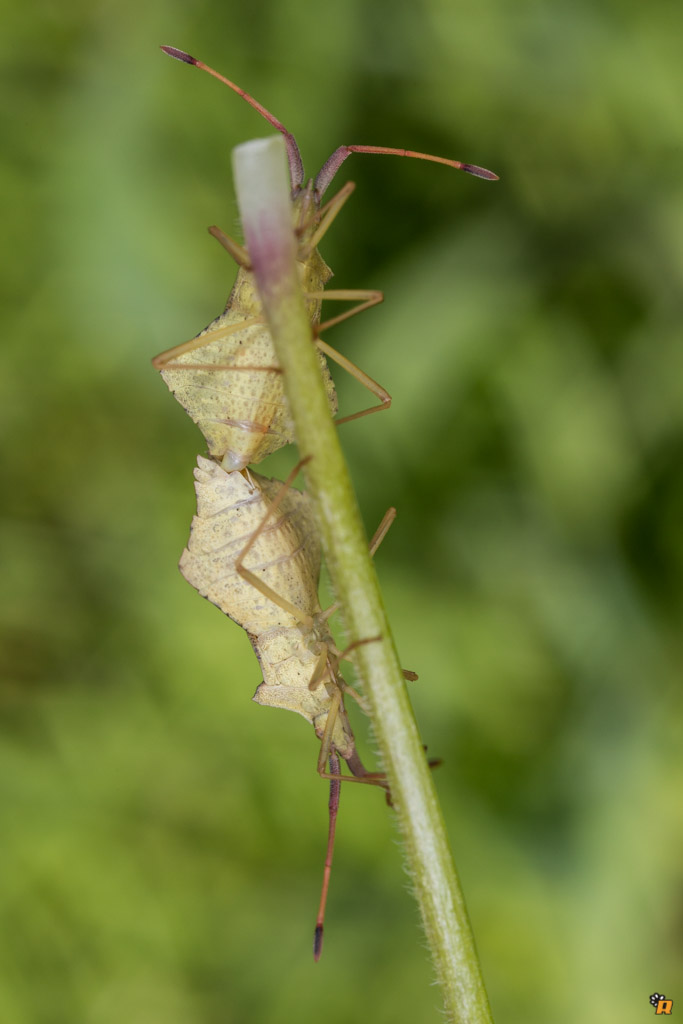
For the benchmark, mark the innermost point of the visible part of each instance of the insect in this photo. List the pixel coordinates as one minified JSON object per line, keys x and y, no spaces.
{"x":227,"y":378}
{"x":242,"y":516}
{"x":276,"y":601}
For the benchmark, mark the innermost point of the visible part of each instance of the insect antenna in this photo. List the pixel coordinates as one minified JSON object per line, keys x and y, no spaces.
{"x":332,"y":165}
{"x":335,"y":790}
{"x":296,"y":167}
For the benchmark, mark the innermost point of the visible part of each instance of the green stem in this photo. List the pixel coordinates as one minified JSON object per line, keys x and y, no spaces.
{"x":263,"y":198}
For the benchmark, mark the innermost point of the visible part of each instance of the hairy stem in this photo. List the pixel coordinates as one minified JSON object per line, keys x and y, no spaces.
{"x":262,"y":188}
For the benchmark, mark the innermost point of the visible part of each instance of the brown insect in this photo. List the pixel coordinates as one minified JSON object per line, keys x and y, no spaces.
{"x":244,"y":517}
{"x":228,"y":378}
{"x":254,"y":549}
{"x":240,"y":516}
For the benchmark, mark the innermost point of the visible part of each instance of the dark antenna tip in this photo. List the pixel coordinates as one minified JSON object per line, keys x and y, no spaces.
{"x":179,"y":55}
{"x":318,"y":942}
{"x":478,"y":172}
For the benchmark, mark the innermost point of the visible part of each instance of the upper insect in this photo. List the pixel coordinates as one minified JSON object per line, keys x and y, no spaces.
{"x":228,"y":378}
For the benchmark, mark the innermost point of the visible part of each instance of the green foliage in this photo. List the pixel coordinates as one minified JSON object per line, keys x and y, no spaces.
{"x":163,"y":837}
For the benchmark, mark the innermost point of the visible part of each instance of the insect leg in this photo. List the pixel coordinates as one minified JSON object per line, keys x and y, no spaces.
{"x":366,"y":298}
{"x":362,"y":377}
{"x":324,"y":661}
{"x":326,"y":743}
{"x":382,"y":530}
{"x":360,"y":701}
{"x":343,"y":655}
{"x":408,"y":674}
{"x":319,"y":668}
{"x":378,"y":537}
{"x":237,"y":251}
{"x":358,"y":769}
{"x":319,"y":671}
{"x":328,"y":214}
{"x":164,"y":361}
{"x":380,"y":533}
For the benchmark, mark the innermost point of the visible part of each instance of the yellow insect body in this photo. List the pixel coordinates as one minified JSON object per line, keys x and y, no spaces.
{"x":228,"y":379}
{"x":286,"y":558}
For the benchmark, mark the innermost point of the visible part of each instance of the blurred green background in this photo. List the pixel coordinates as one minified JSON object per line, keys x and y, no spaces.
{"x":162,"y":837}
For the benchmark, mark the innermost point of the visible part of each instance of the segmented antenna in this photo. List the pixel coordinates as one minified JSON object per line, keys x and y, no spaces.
{"x":296,"y":167}
{"x":332,"y":165}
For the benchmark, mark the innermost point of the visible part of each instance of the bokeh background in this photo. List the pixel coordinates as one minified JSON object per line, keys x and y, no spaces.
{"x":162,"y":838}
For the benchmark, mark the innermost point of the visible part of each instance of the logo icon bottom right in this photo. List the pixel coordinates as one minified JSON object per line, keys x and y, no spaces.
{"x":661,"y":1003}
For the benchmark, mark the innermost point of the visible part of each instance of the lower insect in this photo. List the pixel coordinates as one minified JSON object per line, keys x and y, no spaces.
{"x":254,"y":552}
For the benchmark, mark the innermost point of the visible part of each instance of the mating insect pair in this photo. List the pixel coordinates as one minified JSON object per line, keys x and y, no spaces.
{"x":229,"y":381}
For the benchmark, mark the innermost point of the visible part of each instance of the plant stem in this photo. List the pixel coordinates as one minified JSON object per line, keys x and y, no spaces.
{"x":263,"y":197}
